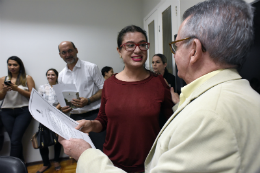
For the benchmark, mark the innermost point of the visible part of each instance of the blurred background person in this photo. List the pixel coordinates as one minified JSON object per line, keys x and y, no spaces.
{"x":159,"y":63}
{"x":48,"y":94}
{"x":107,"y":72}
{"x":15,"y":94}
{"x":131,"y":105}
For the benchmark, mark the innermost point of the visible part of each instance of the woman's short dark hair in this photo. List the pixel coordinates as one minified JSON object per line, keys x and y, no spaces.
{"x":162,"y":56}
{"x":130,"y":28}
{"x":21,"y":78}
{"x":105,"y":69}
{"x":55,"y":71}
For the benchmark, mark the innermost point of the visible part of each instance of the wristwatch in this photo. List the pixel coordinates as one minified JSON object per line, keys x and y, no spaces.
{"x":88,"y":101}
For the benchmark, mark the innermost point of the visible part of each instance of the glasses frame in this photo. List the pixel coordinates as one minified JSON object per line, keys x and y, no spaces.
{"x":136,"y":44}
{"x":69,"y":52}
{"x":176,"y":41}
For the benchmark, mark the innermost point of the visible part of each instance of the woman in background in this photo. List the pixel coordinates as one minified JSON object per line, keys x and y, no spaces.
{"x":159,"y":63}
{"x":15,"y":90}
{"x":107,"y":72}
{"x":132,"y":103}
{"x":48,"y":94}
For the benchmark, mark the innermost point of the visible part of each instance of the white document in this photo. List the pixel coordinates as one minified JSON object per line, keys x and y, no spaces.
{"x":54,"y":119}
{"x":59,"y":88}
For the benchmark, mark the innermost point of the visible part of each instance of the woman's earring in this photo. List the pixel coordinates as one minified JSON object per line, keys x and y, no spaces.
{"x":120,"y":56}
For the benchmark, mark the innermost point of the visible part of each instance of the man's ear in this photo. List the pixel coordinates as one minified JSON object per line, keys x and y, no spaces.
{"x":196,"y":51}
{"x":77,"y":50}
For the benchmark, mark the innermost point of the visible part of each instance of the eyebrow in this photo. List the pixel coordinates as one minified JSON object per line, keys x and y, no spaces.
{"x":134,"y":42}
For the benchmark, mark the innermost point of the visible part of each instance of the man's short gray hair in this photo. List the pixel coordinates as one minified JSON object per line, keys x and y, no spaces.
{"x":224,"y":27}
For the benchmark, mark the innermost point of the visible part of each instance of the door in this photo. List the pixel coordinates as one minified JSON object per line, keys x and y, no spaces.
{"x":151,"y":27}
{"x":168,"y":23}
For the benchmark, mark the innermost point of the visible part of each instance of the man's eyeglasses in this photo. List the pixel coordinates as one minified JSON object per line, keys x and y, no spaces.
{"x":131,"y":46}
{"x":65,"y":52}
{"x":174,"y":47}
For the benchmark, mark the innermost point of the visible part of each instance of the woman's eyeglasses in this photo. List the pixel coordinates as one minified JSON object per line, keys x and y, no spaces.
{"x":131,"y":46}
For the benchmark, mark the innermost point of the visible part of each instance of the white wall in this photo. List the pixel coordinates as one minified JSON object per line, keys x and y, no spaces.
{"x":149,"y":5}
{"x":32,"y":30}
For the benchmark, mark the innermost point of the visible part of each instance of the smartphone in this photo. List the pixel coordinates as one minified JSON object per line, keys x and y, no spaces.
{"x":7,"y":82}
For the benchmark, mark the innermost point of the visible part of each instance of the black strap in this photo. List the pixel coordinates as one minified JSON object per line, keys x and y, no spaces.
{"x":4,"y":98}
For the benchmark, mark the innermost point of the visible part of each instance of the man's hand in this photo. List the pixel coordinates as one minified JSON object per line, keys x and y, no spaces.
{"x":74,"y":147}
{"x":175,"y":96}
{"x":65,"y":109}
{"x":85,"y":126}
{"x":80,"y":102}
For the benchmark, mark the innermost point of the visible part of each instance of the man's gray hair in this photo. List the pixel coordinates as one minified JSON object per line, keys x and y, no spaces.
{"x":224,"y":27}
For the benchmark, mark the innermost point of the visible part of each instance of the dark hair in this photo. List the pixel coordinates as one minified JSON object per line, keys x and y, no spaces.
{"x":130,"y":28}
{"x":163,"y":58}
{"x":55,"y":71}
{"x":105,"y":69}
{"x":71,"y":43}
{"x":21,"y":78}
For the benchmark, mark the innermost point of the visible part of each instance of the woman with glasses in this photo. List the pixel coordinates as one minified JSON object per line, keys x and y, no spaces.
{"x":159,"y":63}
{"x":132,"y":103}
{"x":15,"y":91}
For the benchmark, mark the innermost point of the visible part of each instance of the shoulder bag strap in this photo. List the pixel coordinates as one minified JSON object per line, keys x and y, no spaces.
{"x":4,"y":98}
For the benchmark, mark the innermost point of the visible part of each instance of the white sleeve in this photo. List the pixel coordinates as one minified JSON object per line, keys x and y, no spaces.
{"x":41,"y":90}
{"x":97,"y":77}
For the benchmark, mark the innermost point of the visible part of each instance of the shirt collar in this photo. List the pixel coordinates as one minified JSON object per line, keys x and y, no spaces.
{"x":78,"y":65}
{"x":188,"y":89}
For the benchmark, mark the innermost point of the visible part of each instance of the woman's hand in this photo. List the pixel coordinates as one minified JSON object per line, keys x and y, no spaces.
{"x":13,"y":87}
{"x":6,"y":88}
{"x":66,"y":109}
{"x":85,"y":126}
{"x":175,"y":96}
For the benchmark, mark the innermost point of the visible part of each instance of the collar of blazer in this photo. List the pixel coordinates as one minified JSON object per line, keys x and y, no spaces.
{"x":221,"y":77}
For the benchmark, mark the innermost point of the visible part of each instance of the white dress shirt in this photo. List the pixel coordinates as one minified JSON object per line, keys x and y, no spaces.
{"x":88,"y":80}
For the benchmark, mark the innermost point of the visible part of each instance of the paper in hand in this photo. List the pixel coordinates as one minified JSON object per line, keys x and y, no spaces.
{"x":54,"y":119}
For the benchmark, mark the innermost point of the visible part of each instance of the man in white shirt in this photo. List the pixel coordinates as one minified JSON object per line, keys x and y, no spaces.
{"x":89,"y":82}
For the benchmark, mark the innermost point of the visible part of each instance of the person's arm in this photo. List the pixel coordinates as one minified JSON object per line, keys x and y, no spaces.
{"x":58,"y":107}
{"x":175,"y":96}
{"x":85,"y":101}
{"x":89,"y":160}
{"x":3,"y":88}
{"x":96,"y":96}
{"x":30,"y":84}
{"x":167,"y":103}
{"x":87,"y":126}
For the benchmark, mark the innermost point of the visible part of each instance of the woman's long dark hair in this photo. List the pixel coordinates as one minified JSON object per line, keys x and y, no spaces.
{"x":21,"y":78}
